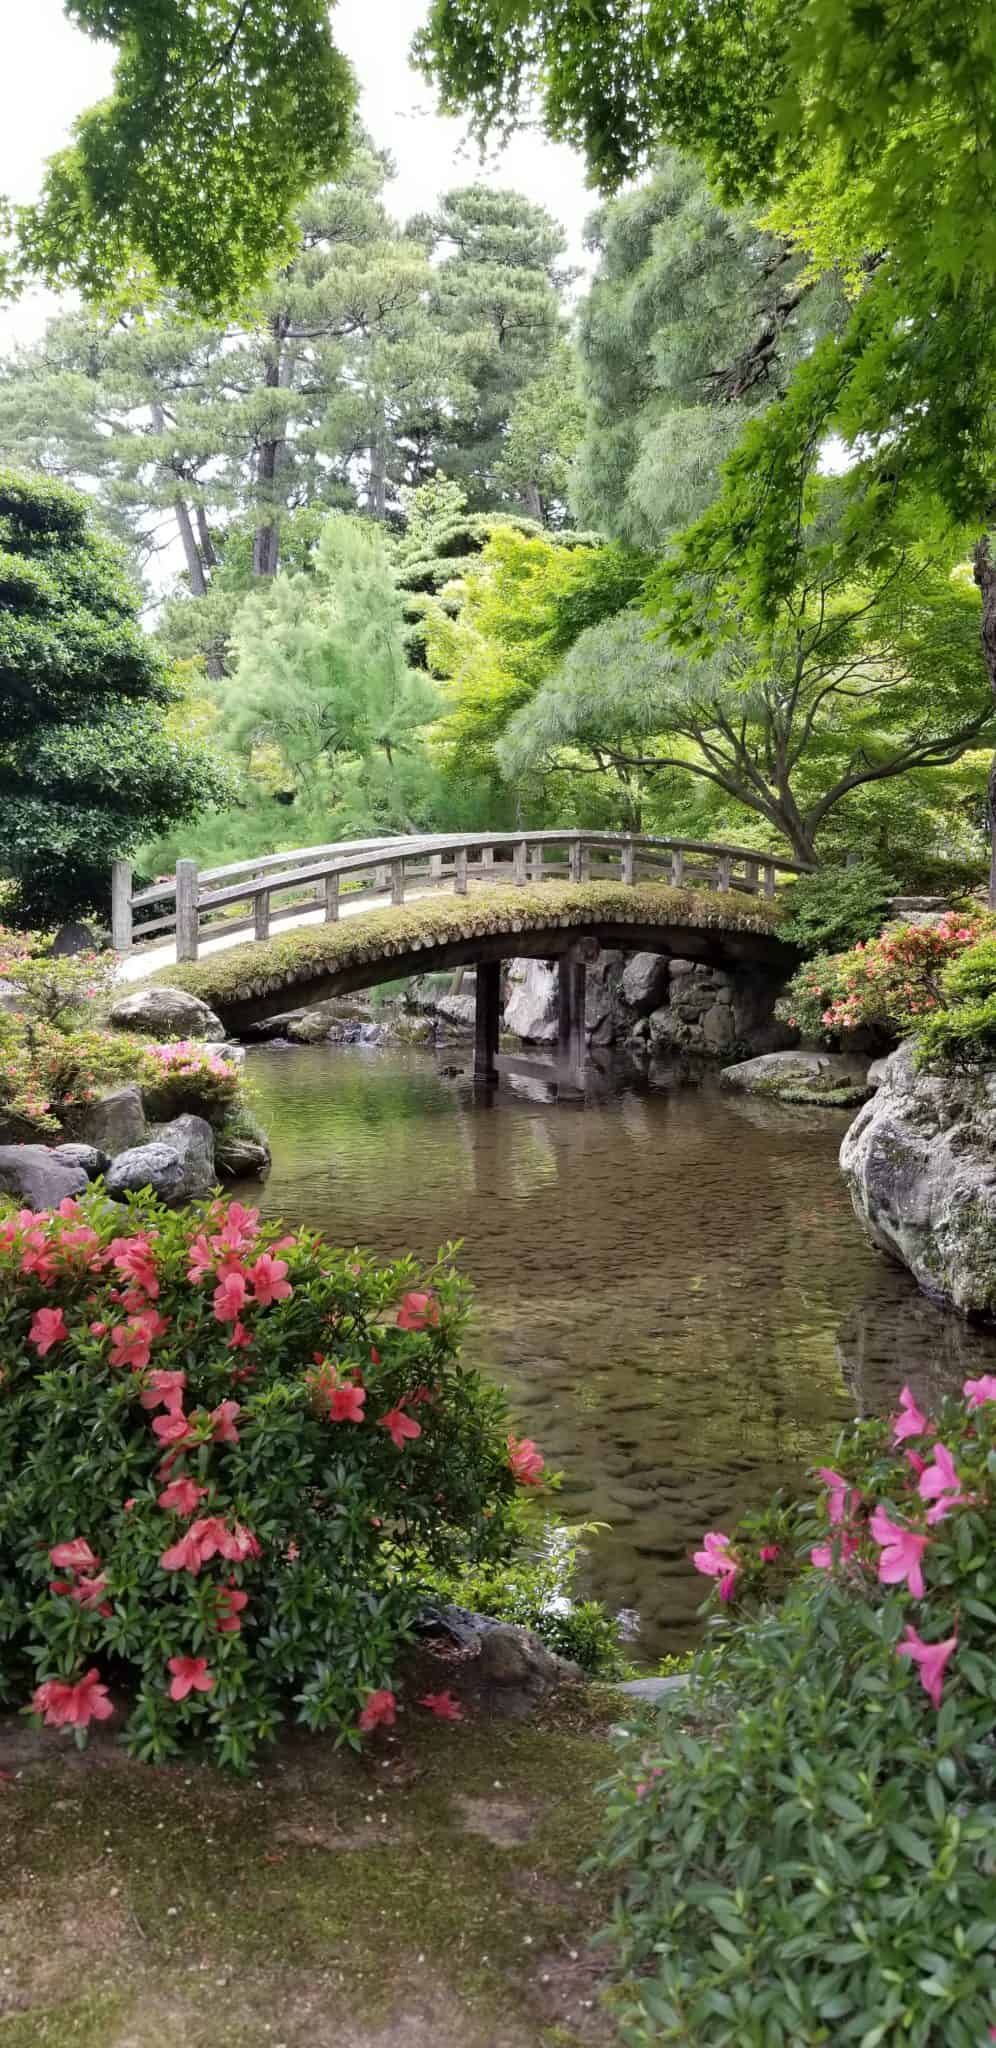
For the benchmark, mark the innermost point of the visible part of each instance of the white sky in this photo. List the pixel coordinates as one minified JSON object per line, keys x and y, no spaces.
{"x":52,"y":71}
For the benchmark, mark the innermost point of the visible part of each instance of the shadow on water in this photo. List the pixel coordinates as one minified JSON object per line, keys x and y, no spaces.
{"x":670,"y":1281}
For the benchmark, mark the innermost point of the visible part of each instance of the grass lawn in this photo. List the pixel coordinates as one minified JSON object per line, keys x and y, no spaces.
{"x":424,"y":1895}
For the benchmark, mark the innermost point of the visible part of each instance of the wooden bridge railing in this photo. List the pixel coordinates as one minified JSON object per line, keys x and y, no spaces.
{"x":194,"y":902}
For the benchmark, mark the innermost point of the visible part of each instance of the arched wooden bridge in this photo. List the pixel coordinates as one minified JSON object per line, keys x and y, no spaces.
{"x":552,"y":894}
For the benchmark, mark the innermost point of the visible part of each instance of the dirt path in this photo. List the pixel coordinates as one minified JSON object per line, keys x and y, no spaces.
{"x":424,"y":1895}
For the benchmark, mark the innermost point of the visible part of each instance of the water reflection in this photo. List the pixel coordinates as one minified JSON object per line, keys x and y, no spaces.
{"x":670,"y":1281}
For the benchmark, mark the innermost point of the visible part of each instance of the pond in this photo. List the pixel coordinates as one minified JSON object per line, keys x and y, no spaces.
{"x":669,"y":1280}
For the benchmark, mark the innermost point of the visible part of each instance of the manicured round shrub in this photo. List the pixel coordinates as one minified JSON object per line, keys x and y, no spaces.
{"x":228,"y":1458}
{"x":805,"y":1848}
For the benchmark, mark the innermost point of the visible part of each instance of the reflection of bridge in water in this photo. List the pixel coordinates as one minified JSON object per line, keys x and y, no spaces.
{"x":550,"y":895}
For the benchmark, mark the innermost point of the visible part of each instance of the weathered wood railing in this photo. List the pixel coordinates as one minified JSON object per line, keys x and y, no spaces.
{"x":317,"y":878}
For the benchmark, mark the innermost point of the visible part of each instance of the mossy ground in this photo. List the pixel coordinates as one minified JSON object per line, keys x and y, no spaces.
{"x":426,"y":1894}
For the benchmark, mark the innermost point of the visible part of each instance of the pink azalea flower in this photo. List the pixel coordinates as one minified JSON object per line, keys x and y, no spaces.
{"x":844,"y":1499}
{"x":931,"y":1658}
{"x":240,"y":1339}
{"x":172,"y":1428}
{"x":418,"y":1312}
{"x":201,"y":1258}
{"x":230,"y":1605}
{"x":190,"y":1674}
{"x":133,"y":1257}
{"x":223,"y":1429}
{"x":48,"y":1327}
{"x":230,"y":1298}
{"x":73,"y":1706}
{"x":525,"y":1462}
{"x":400,"y":1427}
{"x":268,"y":1281}
{"x":130,"y":1345}
{"x":715,"y":1558}
{"x":768,"y":1553}
{"x":380,"y":1708}
{"x":978,"y":1391}
{"x":443,"y":1705}
{"x":346,"y":1404}
{"x":912,"y":1422}
{"x":75,"y":1556}
{"x":940,"y":1483}
{"x":902,"y":1553}
{"x":185,"y":1555}
{"x":824,"y":1555}
{"x":181,"y":1496}
{"x":165,"y":1389}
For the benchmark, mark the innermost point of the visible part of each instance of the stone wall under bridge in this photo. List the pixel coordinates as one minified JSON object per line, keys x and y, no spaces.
{"x":653,"y":1004}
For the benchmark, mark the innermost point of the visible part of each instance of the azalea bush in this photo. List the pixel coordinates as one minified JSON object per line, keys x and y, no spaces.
{"x":963,"y":1033}
{"x":890,"y":984}
{"x":228,"y":1459}
{"x":50,"y":1076}
{"x":189,"y":1075}
{"x":52,"y":990}
{"x":805,"y":1850}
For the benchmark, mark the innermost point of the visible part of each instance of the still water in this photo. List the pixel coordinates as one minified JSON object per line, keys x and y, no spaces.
{"x":669,"y":1280}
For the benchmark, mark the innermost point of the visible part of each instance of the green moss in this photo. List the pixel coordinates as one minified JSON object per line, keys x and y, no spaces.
{"x":313,"y":951}
{"x":373,"y":1874}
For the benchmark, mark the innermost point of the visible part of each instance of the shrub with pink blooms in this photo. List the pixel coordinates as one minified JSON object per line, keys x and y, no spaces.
{"x":892,"y":984}
{"x":231,"y":1460}
{"x":805,"y":1847}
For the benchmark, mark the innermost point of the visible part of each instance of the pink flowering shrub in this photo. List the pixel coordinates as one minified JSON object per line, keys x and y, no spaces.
{"x":188,"y":1075}
{"x":890,"y":984}
{"x":229,"y":1459}
{"x":807,"y":1855}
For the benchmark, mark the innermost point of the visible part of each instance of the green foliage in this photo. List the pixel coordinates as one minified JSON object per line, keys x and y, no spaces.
{"x":48,"y":1075}
{"x":535,"y":1590}
{"x":230,"y":1517}
{"x":375,"y":937}
{"x":803,"y":1846}
{"x":87,"y":766}
{"x":50,"y":989}
{"x":833,"y":909}
{"x":962,"y":1034}
{"x":693,"y":323}
{"x":219,"y":119}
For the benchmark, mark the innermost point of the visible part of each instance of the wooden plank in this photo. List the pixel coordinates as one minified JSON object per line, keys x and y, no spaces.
{"x":769,"y":878}
{"x":460,"y":871}
{"x":723,"y":873}
{"x":627,"y":863}
{"x":121,"y":924}
{"x":677,"y":867}
{"x":261,"y":914}
{"x":331,"y":899}
{"x":575,"y":867}
{"x":487,"y":1013}
{"x":519,"y":856}
{"x":186,"y":909}
{"x":397,"y":881}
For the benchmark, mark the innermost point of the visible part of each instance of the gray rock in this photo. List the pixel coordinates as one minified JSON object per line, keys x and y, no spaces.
{"x":644,"y":982}
{"x":33,"y":1175}
{"x":876,"y":1072}
{"x":154,"y":1166}
{"x":828,"y":1079}
{"x":232,"y":1053}
{"x":11,"y":998}
{"x":116,"y":1122}
{"x":272,"y":1027}
{"x":457,"y":1013}
{"x":92,"y":1161}
{"x":241,"y":1158}
{"x":920,"y":1164}
{"x":166,"y":1013}
{"x":71,"y":939}
{"x":514,"y":1670}
{"x":192,"y":1139}
{"x":531,"y":1005}
{"x":653,"y":1688}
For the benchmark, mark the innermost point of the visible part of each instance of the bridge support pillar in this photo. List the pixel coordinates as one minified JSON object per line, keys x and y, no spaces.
{"x":487,"y":1017}
{"x":570,"y":1015}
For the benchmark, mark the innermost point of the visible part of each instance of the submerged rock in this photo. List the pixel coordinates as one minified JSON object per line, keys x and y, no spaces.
{"x":828,"y":1080}
{"x":920,"y":1164}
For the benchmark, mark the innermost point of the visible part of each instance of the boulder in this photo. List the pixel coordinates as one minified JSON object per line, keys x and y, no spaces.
{"x":644,"y":982}
{"x":32,"y":1175}
{"x":115,"y":1122}
{"x":166,"y":1013}
{"x":828,"y":1080}
{"x":155,"y":1166}
{"x":241,"y":1158}
{"x":920,"y":1164}
{"x":71,"y":939}
{"x":90,"y":1158}
{"x":531,"y":1004}
{"x":272,"y":1027}
{"x":192,"y":1139}
{"x":514,"y":1670}
{"x":457,"y":1013}
{"x":11,"y":998}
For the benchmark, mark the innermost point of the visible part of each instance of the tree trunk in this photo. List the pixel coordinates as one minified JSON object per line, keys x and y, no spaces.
{"x":269,"y":456}
{"x":205,"y":543}
{"x":534,"y":503}
{"x":195,"y":567}
{"x":985,"y":576}
{"x":377,"y":480}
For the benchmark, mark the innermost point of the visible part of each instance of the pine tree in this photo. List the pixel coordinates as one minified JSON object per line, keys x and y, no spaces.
{"x":88,"y":767}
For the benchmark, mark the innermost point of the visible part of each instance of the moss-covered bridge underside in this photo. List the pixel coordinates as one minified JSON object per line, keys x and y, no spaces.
{"x":251,"y":983}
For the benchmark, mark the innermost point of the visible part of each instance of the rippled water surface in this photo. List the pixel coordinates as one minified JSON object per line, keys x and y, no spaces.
{"x":670,"y":1281}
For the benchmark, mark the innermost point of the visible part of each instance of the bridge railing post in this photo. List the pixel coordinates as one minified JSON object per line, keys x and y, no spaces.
{"x":121,"y":912}
{"x":627,"y":864}
{"x":769,"y":877}
{"x":723,"y":873}
{"x":677,"y":867}
{"x":519,"y":857}
{"x":186,"y":910}
{"x":261,"y":914}
{"x":460,"y":871}
{"x":397,"y":881}
{"x":574,"y":861}
{"x":331,"y":899}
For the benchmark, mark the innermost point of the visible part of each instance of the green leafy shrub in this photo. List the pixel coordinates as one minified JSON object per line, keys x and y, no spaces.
{"x":805,"y":1849}
{"x":835,"y":907}
{"x":888,"y":984}
{"x":52,"y":990}
{"x":536,"y":1590}
{"x":957,"y":1040}
{"x":226,"y":1455}
{"x":971,"y":975}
